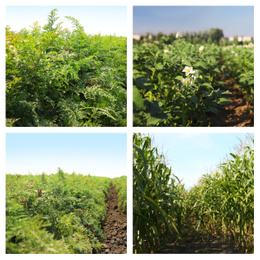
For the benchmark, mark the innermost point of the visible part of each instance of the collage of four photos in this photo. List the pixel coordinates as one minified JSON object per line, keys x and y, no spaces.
{"x":129,"y":129}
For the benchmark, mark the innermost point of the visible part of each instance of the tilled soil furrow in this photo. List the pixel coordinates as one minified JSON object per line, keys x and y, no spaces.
{"x":199,"y":245}
{"x":237,"y":113}
{"x":115,"y":226}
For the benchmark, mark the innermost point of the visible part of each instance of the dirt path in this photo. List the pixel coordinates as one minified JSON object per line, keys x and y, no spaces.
{"x":237,"y":113}
{"x":195,"y":244}
{"x":115,"y":226}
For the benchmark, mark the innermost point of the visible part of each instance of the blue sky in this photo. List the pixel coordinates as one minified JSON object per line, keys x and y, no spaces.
{"x":233,"y":20}
{"x":102,"y":154}
{"x":107,"y":20}
{"x":192,"y":155}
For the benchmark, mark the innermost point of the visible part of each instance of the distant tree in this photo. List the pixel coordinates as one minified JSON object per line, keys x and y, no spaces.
{"x":216,"y":34}
{"x":205,"y":35}
{"x":209,"y":40}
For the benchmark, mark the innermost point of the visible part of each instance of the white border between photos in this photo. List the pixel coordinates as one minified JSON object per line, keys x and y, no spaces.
{"x":129,"y":129}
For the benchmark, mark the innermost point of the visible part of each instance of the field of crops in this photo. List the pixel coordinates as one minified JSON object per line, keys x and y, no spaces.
{"x":57,"y":77}
{"x":184,"y":84}
{"x":59,"y":213}
{"x":220,"y":206}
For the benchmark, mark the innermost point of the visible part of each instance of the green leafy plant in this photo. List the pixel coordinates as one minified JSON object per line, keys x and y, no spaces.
{"x":220,"y":205}
{"x":180,"y":84}
{"x":57,"y":213}
{"x":57,"y":77}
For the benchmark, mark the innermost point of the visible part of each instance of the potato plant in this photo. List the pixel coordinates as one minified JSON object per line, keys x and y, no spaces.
{"x":180,"y":84}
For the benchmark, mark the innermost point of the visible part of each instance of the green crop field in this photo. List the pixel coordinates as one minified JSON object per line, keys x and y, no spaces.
{"x":59,"y":213}
{"x":57,"y":77}
{"x":183,"y":84}
{"x":221,"y":205}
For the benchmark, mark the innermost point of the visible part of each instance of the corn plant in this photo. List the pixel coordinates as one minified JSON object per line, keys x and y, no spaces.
{"x":155,"y":197}
{"x":223,"y":202}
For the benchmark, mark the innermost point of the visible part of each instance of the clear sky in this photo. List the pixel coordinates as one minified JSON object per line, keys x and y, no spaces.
{"x":106,"y":20}
{"x":192,"y":155}
{"x":100,"y":154}
{"x":233,"y":20}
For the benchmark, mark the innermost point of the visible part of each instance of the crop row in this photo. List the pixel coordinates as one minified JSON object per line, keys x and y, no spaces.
{"x":181,"y":84}
{"x":57,"y":77}
{"x":57,"y":213}
{"x":221,"y":204}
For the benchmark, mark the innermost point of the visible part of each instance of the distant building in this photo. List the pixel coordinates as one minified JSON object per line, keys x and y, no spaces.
{"x":137,"y":37}
{"x":241,"y":38}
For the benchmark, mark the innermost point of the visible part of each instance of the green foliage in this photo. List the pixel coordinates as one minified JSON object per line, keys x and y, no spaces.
{"x":240,"y":63}
{"x":223,"y":202}
{"x":167,"y":94}
{"x":155,"y":195}
{"x":28,"y":236}
{"x":120,"y":184}
{"x":57,"y":213}
{"x":55,"y":77}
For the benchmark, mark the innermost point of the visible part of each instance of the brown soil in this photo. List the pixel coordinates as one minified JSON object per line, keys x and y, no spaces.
{"x":115,"y":226}
{"x":199,"y":244}
{"x":237,"y":113}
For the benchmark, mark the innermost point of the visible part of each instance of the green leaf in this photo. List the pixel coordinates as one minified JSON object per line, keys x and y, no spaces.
{"x":187,"y":63}
{"x":137,"y":99}
{"x":207,"y":85}
{"x":143,"y":82}
{"x":179,"y":78}
{"x":224,"y":101}
{"x":159,"y":66}
{"x":213,"y":110}
{"x":194,"y":99}
{"x":217,"y":70}
{"x":201,"y":64}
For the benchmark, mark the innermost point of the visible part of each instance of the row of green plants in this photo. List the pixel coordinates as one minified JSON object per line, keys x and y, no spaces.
{"x":180,"y":84}
{"x":57,"y":77}
{"x":221,"y":204}
{"x":240,"y":65}
{"x":120,"y":184}
{"x":55,"y":214}
{"x":154,"y":216}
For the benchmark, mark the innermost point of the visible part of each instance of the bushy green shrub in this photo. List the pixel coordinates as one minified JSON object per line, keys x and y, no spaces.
{"x":57,"y":213}
{"x":55,"y":77}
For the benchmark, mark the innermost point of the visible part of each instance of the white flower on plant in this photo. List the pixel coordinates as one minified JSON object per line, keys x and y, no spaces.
{"x":201,"y":48}
{"x":166,"y":51}
{"x":186,"y":81}
{"x":195,"y":75}
{"x":188,"y":70}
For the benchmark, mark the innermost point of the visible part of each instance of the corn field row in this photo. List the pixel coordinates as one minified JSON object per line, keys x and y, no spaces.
{"x":221,"y":204}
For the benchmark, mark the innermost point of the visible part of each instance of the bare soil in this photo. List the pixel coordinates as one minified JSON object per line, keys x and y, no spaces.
{"x":115,"y":226}
{"x":199,"y":244}
{"x":237,"y":113}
